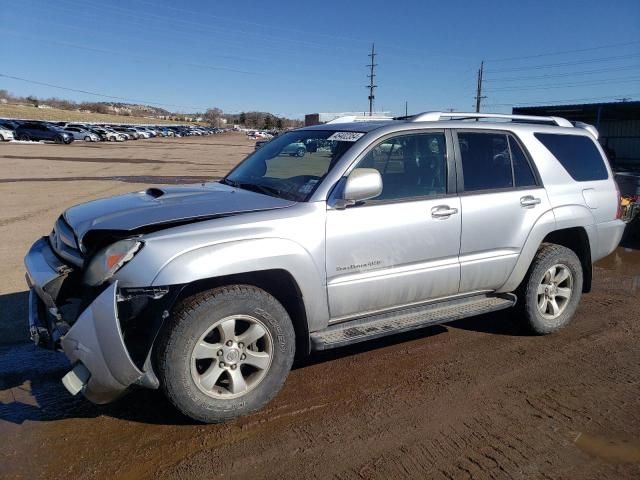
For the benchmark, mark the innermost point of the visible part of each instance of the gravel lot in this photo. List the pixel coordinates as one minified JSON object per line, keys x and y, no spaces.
{"x":478,"y":398}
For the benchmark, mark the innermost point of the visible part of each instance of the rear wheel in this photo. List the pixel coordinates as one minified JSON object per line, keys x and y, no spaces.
{"x":552,"y":289}
{"x":225,"y":353}
{"x":87,"y":138}
{"x":1,"y":138}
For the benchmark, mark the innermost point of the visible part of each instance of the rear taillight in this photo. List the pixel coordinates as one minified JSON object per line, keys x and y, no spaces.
{"x":619,"y":200}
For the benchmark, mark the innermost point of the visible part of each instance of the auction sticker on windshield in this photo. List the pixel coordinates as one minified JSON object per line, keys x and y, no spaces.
{"x":346,"y":136}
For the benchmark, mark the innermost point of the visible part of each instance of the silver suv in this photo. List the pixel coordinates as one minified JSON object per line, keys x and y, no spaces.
{"x":209,"y":291}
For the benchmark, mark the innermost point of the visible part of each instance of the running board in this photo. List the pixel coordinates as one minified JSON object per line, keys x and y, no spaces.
{"x":398,"y":321}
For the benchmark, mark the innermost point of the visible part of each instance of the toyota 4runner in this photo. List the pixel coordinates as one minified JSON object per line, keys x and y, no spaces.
{"x":208,"y":291}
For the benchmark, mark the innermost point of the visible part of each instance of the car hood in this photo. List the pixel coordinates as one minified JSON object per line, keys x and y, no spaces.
{"x":160,"y":207}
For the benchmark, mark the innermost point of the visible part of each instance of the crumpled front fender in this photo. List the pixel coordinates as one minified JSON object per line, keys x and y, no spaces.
{"x":96,"y":342}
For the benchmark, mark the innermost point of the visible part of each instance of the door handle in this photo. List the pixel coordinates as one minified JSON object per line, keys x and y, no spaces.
{"x":529,"y":201}
{"x":443,"y":211}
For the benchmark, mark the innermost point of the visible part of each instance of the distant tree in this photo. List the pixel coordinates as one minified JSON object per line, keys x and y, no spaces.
{"x":243,"y":118}
{"x":33,"y":100}
{"x":212,"y":116}
{"x":268,"y":122}
{"x":279,"y":124}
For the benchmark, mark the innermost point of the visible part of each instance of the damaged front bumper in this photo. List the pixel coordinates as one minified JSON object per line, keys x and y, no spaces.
{"x":94,"y":343}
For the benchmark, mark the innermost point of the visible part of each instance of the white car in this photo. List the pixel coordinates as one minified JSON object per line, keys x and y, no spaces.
{"x":82,"y":134}
{"x":142,"y":132}
{"x":6,"y":134}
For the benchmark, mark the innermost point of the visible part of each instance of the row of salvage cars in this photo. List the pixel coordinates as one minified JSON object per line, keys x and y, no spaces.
{"x":67,"y":132}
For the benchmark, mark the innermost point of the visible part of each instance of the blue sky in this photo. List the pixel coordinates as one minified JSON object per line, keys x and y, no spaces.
{"x":296,"y":57}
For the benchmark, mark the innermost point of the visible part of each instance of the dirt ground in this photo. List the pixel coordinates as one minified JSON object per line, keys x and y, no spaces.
{"x":477,"y":398}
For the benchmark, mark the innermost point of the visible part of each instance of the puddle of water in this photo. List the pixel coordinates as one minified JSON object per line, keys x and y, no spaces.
{"x":609,"y":449}
{"x":624,"y":262}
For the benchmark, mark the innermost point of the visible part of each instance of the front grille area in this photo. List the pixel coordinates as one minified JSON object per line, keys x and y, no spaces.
{"x":64,"y":242}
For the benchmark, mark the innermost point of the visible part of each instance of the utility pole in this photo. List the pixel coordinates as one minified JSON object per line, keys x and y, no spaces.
{"x":372,"y":76}
{"x":479,"y":96}
{"x":406,"y":108}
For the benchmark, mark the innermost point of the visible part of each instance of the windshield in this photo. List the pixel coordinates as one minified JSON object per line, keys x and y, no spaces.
{"x":292,"y":165}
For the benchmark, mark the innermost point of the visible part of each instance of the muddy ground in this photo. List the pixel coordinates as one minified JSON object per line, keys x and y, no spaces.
{"x":478,"y":398}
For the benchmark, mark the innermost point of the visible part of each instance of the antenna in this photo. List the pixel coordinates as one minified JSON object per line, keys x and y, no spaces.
{"x":372,"y":76}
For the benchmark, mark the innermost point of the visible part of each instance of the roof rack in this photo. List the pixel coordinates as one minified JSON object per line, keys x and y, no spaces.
{"x":360,"y":118}
{"x":437,"y":116}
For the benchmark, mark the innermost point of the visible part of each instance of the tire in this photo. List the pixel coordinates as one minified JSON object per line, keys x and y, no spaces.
{"x":539,"y":298}
{"x":87,"y":138}
{"x":58,"y":140}
{"x":26,"y":138}
{"x":1,"y":138}
{"x":186,"y":380}
{"x":300,"y":152}
{"x":67,"y":141}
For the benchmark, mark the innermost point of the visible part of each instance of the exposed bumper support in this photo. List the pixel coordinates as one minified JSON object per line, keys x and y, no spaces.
{"x":95,"y":341}
{"x":103,"y":369}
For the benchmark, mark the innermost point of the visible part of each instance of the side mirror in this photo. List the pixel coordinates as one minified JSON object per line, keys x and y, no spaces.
{"x":362,"y":184}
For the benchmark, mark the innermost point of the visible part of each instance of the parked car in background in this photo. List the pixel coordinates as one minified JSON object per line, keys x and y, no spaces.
{"x":107,"y":135}
{"x":82,"y":134}
{"x":167,"y":132}
{"x":6,"y":134}
{"x":39,"y":131}
{"x":142,"y":133}
{"x":295,"y":149}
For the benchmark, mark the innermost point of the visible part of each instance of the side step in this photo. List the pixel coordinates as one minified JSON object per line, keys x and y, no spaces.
{"x":398,"y":321}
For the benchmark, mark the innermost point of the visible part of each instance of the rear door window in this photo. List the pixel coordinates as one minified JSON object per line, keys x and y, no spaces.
{"x":578,"y":155}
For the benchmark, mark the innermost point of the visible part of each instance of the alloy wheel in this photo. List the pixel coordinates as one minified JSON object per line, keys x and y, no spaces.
{"x":554,"y":291}
{"x":232,"y":357}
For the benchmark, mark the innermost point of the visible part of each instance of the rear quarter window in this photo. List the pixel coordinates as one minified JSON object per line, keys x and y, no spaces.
{"x":578,"y":155}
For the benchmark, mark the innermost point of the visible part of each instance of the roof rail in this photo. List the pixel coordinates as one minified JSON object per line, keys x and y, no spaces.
{"x":436,"y":116}
{"x":359,"y":118}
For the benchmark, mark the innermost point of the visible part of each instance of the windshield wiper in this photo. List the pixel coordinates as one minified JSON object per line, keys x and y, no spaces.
{"x":254,"y":187}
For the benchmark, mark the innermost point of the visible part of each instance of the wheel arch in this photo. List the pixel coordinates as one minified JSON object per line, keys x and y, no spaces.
{"x":571,"y":227}
{"x":278,"y":283}
{"x":575,"y":239}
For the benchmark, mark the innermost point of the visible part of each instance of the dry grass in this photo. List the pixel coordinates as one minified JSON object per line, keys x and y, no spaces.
{"x":27,"y":112}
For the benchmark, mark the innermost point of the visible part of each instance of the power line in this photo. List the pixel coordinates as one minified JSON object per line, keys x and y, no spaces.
{"x":565,"y":74}
{"x":134,"y":55}
{"x":578,"y":50}
{"x":564,"y":85}
{"x":113,"y":97}
{"x":566,"y":64}
{"x":372,"y":86}
{"x":561,"y":101}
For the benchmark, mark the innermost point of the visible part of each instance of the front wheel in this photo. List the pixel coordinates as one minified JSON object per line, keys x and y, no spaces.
{"x":552,"y":289}
{"x":301,"y":152}
{"x":225,"y":353}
